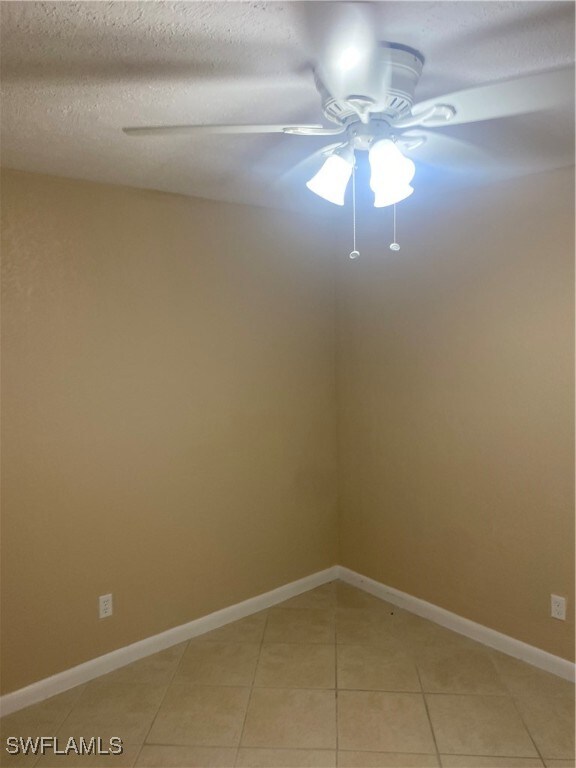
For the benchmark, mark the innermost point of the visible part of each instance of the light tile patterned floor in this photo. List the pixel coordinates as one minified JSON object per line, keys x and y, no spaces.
{"x":333,"y":677}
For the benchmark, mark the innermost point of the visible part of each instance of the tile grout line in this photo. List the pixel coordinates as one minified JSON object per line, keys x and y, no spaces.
{"x":238,"y":747}
{"x":515,"y":705}
{"x":502,"y":679}
{"x":170,"y":681}
{"x":335,"y":606}
{"x":428,"y":715}
{"x":61,"y":722}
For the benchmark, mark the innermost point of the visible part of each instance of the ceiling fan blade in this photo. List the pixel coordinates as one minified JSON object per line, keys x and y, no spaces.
{"x":521,"y":95}
{"x":174,"y":130}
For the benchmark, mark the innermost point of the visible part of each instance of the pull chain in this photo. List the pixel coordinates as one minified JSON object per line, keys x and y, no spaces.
{"x":354,"y":253}
{"x":394,"y":246}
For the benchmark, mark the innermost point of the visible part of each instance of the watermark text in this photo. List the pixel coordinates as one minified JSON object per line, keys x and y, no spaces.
{"x":42,"y":745}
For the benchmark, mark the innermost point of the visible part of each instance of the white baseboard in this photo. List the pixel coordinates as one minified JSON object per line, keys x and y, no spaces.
{"x":83,"y":673}
{"x":500,"y":642}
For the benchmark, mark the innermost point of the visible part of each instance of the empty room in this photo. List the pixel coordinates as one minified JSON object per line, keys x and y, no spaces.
{"x":287,"y":384}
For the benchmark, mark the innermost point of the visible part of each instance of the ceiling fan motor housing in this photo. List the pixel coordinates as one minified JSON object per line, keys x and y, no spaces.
{"x":384,"y":86}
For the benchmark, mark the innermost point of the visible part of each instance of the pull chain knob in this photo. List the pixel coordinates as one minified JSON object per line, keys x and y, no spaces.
{"x":394,"y":246}
{"x":354,"y":254}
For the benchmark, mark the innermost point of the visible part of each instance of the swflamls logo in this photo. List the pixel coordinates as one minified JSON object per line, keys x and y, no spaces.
{"x":42,"y":745}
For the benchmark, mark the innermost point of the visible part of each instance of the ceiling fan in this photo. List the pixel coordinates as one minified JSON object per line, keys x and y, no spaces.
{"x":367,"y":89}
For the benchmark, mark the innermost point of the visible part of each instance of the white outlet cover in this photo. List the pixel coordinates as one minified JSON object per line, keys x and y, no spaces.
{"x":558,"y":607}
{"x":104,"y":606}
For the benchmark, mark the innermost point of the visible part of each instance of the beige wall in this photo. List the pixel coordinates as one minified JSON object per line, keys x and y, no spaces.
{"x":169,"y":425}
{"x":169,"y":419}
{"x":456,"y":408}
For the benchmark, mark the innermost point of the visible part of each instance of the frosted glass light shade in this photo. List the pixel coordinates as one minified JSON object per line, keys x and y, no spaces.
{"x":391,"y":173}
{"x":388,"y":164}
{"x":384,"y":196}
{"x":332,"y":179}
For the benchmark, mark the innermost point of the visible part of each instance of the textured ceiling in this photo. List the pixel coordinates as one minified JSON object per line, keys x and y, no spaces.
{"x":74,"y":73}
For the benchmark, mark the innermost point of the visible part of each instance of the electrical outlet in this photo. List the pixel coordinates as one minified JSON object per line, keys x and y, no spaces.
{"x":558,"y":607}
{"x":105,"y":606}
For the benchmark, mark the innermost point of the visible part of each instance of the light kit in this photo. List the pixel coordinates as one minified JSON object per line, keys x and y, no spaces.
{"x":390,"y":170}
{"x":391,"y":174}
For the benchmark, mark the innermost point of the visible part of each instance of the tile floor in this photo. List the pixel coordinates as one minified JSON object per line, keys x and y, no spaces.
{"x":333,"y":677}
